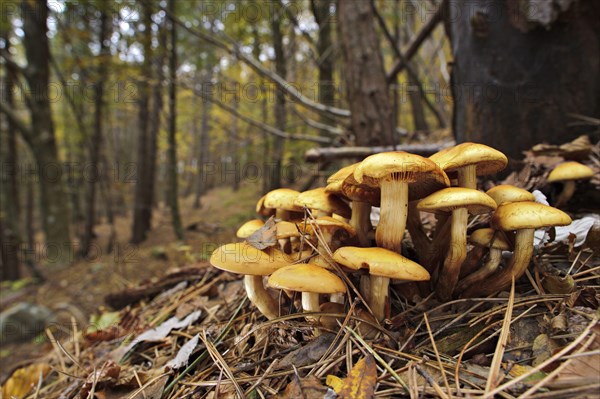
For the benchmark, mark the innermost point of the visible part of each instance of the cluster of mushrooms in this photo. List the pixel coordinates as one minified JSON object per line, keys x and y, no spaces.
{"x":325,"y":239}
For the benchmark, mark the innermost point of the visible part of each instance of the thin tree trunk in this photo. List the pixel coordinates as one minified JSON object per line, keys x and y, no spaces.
{"x":322,"y":12}
{"x":96,"y":144}
{"x":172,"y":194}
{"x":142,"y":217}
{"x":414,"y":94}
{"x":235,"y":145}
{"x":366,"y":87}
{"x":279,"y":106}
{"x":204,"y":147}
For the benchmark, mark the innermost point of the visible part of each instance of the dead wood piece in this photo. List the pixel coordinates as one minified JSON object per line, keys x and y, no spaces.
{"x":331,"y":153}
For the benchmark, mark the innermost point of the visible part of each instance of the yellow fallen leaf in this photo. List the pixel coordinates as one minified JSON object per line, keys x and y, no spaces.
{"x":23,"y":380}
{"x":360,"y":383}
{"x":336,"y":383}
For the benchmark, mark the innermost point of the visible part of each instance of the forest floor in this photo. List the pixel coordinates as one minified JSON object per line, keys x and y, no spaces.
{"x":79,"y":290}
{"x":197,"y":336}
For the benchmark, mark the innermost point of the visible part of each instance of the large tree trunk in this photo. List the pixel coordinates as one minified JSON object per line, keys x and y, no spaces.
{"x":96,"y":144}
{"x":10,"y":234}
{"x":279,"y":106}
{"x":520,"y":67}
{"x":366,"y":87}
{"x":173,"y":191}
{"x":142,"y":214}
{"x":41,"y":137}
{"x":322,"y":12}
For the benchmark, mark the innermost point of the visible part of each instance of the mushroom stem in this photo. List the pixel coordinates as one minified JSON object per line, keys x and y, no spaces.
{"x":457,"y":252}
{"x":394,"y":210}
{"x":516,"y":267}
{"x":259,"y":296}
{"x":378,"y":297}
{"x":361,"y":221}
{"x":470,"y":264}
{"x":566,"y":193}
{"x":389,"y":234}
{"x":319,"y":213}
{"x":490,"y":266}
{"x":310,"y":303}
{"x":467,"y":176}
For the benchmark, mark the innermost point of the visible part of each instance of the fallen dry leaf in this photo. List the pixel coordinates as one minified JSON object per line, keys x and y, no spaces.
{"x":23,"y":380}
{"x":107,"y":375}
{"x":360,"y":383}
{"x":264,"y":237}
{"x":307,"y":354}
{"x":183,"y":356}
{"x":306,"y":388}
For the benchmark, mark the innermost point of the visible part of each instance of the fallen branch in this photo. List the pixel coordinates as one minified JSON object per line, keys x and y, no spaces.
{"x":331,"y":153}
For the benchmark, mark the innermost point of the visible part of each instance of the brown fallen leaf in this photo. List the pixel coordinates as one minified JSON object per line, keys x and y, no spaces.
{"x":360,"y":383}
{"x":307,"y":354}
{"x":306,"y":388}
{"x":106,"y":375}
{"x":23,"y":380}
{"x":264,"y":237}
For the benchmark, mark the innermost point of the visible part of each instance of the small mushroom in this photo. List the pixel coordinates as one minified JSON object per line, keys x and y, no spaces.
{"x":380,"y":262}
{"x":242,"y":258}
{"x":567,"y":173}
{"x":460,"y":201}
{"x":492,"y":240}
{"x":324,"y":203}
{"x":468,"y":160}
{"x":524,"y":217}
{"x":309,"y":279}
{"x":333,"y":232}
{"x":508,"y":193}
{"x":282,"y":200}
{"x":249,"y":227}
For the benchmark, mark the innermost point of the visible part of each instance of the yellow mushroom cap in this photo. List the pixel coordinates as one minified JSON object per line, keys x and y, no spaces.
{"x":508,"y":193}
{"x":286,"y":230}
{"x":282,"y":198}
{"x":249,"y":227}
{"x":342,"y":183}
{"x":306,"y":277}
{"x":261,"y":209}
{"x":570,"y":171}
{"x":489,"y":238}
{"x":323,"y":201}
{"x":381,"y":262}
{"x":328,"y":223}
{"x":423,"y":175}
{"x":448,"y":199}
{"x":487,"y":159}
{"x":527,"y":215}
{"x":243,"y":258}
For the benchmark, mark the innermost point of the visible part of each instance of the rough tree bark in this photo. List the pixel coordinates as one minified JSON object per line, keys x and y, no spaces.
{"x":173,"y":190}
{"x":326,"y":56}
{"x":520,"y":67}
{"x":366,"y":87}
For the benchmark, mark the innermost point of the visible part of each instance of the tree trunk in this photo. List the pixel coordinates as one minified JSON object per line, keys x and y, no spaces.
{"x":520,"y":67}
{"x":96,"y":143}
{"x":10,"y":234}
{"x":234,"y":147}
{"x":41,"y":137}
{"x":173,"y":191}
{"x":322,"y":13}
{"x":279,"y":106}
{"x":366,"y":87}
{"x":142,"y":216}
{"x":414,"y":94}
{"x":204,"y":146}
